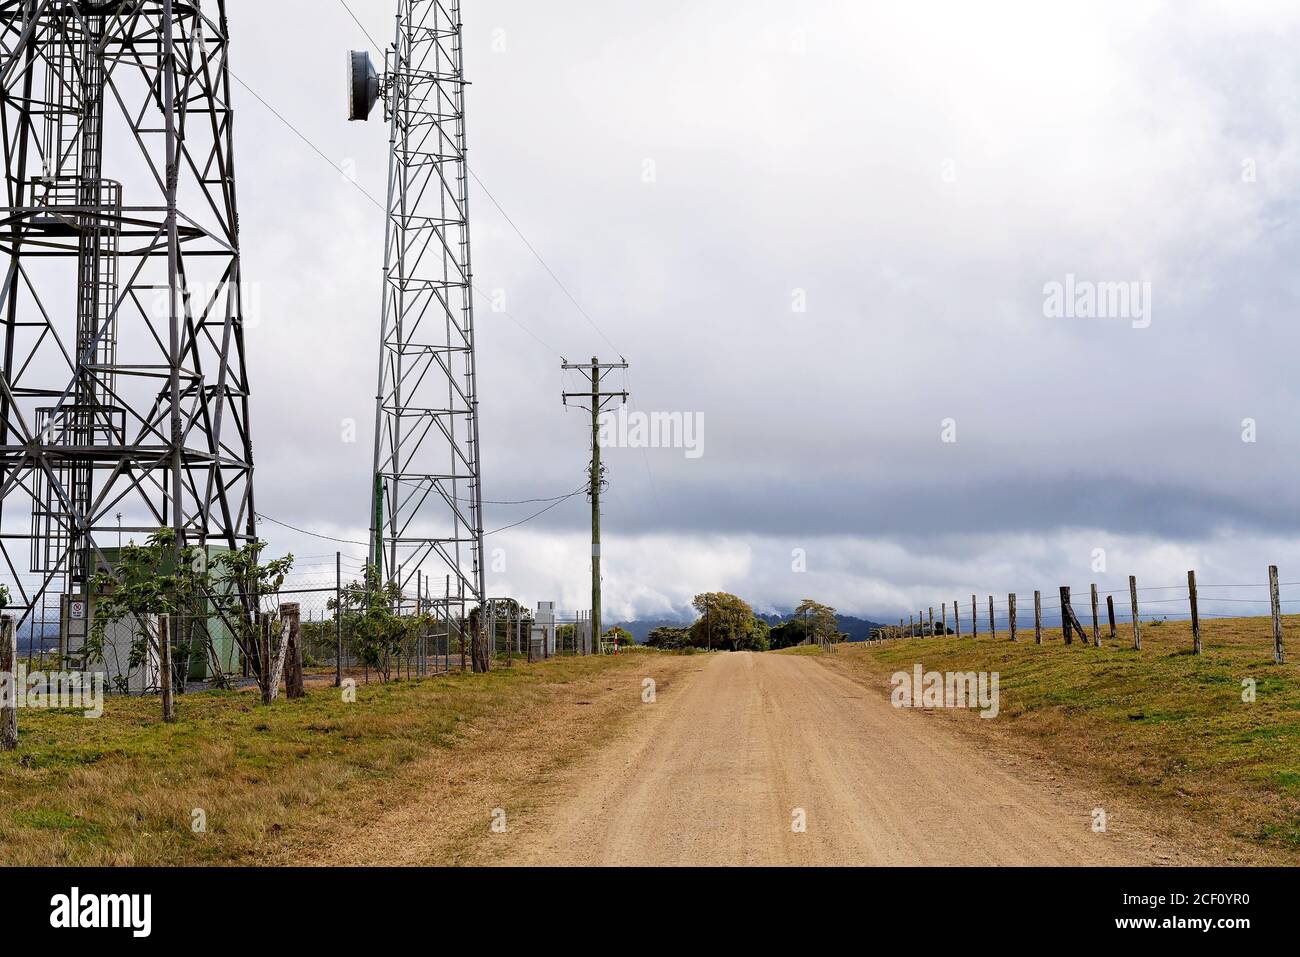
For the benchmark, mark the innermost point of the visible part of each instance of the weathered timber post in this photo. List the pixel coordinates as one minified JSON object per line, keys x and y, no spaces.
{"x":993,"y":628}
{"x":277,"y":667}
{"x":1275,"y":598}
{"x":931,"y":621}
{"x":911,"y":627}
{"x":1137,"y":621}
{"x":1038,"y":617}
{"x":1065,"y":615}
{"x":480,"y":651}
{"x":1011,"y":614}
{"x":956,"y":619}
{"x":1110,"y":614}
{"x":943,"y":623}
{"x":165,"y":668}
{"x":1096,"y":624}
{"x":9,"y":675}
{"x":1075,"y":625}
{"x":974,"y":618}
{"x":293,"y":679}
{"x":264,"y":652}
{"x":1196,"y":618}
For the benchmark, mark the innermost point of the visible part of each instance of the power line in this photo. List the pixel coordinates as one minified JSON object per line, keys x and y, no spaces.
{"x":535,"y":514}
{"x":343,"y":541}
{"x":520,"y":501}
{"x":538,"y":256}
{"x":302,"y":136}
{"x":533,"y":501}
{"x":377,"y":44}
{"x":303,"y":531}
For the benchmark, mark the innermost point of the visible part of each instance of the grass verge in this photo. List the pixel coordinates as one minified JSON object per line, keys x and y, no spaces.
{"x":125,"y":789}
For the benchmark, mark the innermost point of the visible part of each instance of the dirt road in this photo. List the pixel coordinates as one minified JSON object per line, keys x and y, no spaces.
{"x":726,"y":766}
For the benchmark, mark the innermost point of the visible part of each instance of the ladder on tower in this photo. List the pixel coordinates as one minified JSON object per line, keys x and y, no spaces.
{"x":82,"y":204}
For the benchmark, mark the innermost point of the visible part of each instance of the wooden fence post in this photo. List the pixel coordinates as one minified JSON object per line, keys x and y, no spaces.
{"x":1065,"y":615}
{"x":1011,"y":614}
{"x":264,"y":652}
{"x":943,"y":623}
{"x":931,"y":621}
{"x":1096,"y":625}
{"x":993,"y":628}
{"x":293,"y":677}
{"x":277,"y":669}
{"x":165,"y":668}
{"x":9,"y":668}
{"x":911,"y":627}
{"x":1137,"y":621}
{"x":1275,"y":597}
{"x":1038,"y":617}
{"x":1110,"y":614}
{"x":1196,"y":618}
{"x":956,"y":619}
{"x":974,"y":618}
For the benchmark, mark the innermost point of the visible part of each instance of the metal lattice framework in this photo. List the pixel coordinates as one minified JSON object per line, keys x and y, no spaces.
{"x":124,"y":396}
{"x":427,"y":502}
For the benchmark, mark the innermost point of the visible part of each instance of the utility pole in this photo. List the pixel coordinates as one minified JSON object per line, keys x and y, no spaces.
{"x":596,"y":401}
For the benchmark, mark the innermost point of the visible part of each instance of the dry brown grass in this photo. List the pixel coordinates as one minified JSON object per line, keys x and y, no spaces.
{"x":1167,"y":726}
{"x":291,"y":782}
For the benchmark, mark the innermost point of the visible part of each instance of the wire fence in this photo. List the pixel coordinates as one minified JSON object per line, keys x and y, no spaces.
{"x":217,"y":643}
{"x":215,"y":646}
{"x":1094,"y":612}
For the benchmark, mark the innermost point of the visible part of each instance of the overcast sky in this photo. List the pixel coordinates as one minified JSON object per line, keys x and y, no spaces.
{"x":913,"y":176}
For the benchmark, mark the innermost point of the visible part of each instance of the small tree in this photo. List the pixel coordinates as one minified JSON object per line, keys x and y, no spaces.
{"x":156,"y":578}
{"x":378,"y":632}
{"x":620,"y":635}
{"x":505,"y":615}
{"x":665,"y":636}
{"x":821,"y":625}
{"x":727,"y":622}
{"x":237,"y":583}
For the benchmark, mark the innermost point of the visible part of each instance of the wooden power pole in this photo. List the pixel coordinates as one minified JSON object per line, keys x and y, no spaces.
{"x":596,"y":401}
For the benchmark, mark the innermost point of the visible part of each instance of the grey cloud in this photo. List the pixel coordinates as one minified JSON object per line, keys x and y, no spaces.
{"x":804,"y":148}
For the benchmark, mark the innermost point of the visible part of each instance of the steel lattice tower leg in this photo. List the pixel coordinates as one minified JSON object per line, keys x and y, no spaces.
{"x":124,"y":389}
{"x":427,"y":500}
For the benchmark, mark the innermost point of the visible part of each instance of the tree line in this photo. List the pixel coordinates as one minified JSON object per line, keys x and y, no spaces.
{"x":728,"y":623}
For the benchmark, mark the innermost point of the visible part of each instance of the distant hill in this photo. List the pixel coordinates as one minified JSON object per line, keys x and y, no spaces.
{"x":29,"y":635}
{"x":858,"y":629}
